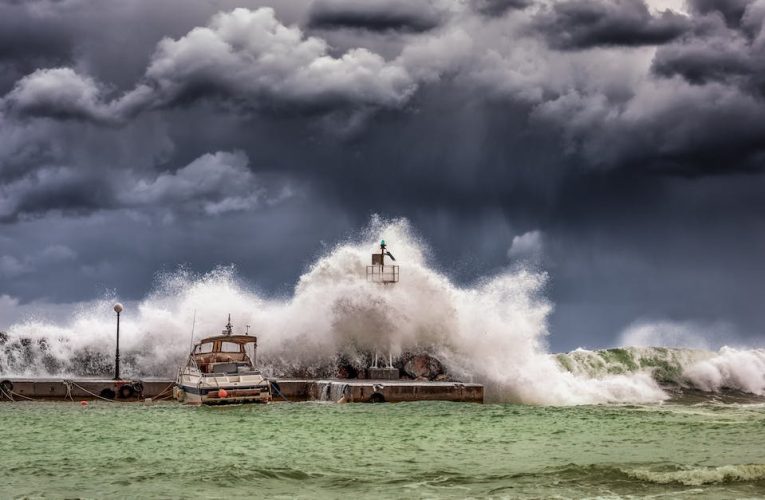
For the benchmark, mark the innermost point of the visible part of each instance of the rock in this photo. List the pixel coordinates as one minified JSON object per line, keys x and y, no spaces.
{"x":423,"y":366}
{"x":346,"y":369}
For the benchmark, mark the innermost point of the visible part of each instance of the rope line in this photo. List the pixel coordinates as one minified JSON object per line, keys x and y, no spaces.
{"x":22,"y":396}
{"x":164,"y":390}
{"x":7,"y":395}
{"x":279,"y":392}
{"x":92,"y":394}
{"x":68,"y":386}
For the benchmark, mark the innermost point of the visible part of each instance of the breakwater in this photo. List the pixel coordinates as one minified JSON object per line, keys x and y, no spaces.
{"x":350,"y":391}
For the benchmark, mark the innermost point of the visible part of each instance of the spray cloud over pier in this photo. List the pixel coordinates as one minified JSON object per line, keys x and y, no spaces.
{"x":493,"y":331}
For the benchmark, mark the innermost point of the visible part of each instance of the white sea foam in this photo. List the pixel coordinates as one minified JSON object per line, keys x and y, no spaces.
{"x":742,"y":369}
{"x":493,"y":332}
{"x":698,"y":476}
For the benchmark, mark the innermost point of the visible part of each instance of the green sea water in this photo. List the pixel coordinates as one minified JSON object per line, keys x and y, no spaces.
{"x":408,"y":450}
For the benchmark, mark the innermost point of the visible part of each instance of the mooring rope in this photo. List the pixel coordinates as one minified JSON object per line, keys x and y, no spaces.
{"x":22,"y":396}
{"x":88,"y":392}
{"x":276,"y":388}
{"x":68,"y":386}
{"x":160,"y":393}
{"x":163,"y":390}
{"x":6,"y":394}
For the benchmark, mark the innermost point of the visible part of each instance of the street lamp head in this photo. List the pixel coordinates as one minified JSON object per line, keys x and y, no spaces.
{"x":118,"y":308}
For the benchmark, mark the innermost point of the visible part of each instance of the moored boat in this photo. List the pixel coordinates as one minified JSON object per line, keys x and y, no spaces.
{"x":221,"y":370}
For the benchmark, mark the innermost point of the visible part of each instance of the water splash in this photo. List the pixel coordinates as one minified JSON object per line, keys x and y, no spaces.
{"x":493,"y":332}
{"x":705,"y":370}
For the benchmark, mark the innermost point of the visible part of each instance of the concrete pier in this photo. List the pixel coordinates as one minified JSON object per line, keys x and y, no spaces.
{"x":335,"y":390}
{"x":83,"y":388}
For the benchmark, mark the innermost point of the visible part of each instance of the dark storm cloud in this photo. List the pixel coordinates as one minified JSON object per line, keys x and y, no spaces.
{"x":245,"y":56}
{"x":582,"y":24}
{"x":732,"y":55}
{"x":731,"y":10}
{"x":703,"y":61}
{"x":619,"y":141}
{"x":610,"y":118}
{"x":499,"y":7}
{"x":212,"y":185}
{"x":375,"y":15}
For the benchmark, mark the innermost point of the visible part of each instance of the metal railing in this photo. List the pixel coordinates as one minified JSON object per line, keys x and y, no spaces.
{"x":382,"y":274}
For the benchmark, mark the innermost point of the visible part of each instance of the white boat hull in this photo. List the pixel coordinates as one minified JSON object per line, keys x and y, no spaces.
{"x":222,"y":390}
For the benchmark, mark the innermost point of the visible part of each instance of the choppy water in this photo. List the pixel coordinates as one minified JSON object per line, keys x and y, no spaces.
{"x":417,"y":450}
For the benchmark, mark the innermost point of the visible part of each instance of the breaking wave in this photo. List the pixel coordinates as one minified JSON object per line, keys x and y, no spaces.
{"x":698,"y":476}
{"x":705,"y":370}
{"x":493,"y":332}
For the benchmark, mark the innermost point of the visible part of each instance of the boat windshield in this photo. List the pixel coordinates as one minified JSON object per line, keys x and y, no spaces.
{"x":230,"y":347}
{"x":207,"y":347}
{"x":204,"y":348}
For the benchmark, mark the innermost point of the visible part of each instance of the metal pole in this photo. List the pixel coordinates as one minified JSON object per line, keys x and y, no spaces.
{"x":117,"y":356}
{"x":118,"y":309}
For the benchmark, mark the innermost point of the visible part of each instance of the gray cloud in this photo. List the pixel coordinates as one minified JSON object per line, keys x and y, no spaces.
{"x":699,"y":62}
{"x":243,"y":55}
{"x":212,"y":184}
{"x":731,"y":10}
{"x":582,"y":24}
{"x":732,"y":55}
{"x":376,"y":15}
{"x":499,"y":7}
{"x":61,"y":93}
{"x":252,"y":61}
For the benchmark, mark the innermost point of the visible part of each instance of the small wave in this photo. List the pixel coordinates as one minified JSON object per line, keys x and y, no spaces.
{"x":699,"y":476}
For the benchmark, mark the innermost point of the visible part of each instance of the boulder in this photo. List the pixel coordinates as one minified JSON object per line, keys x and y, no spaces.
{"x":423,"y":367}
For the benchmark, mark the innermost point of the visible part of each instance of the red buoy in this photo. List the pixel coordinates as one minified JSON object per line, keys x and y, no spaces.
{"x":222,"y":393}
{"x":83,"y":403}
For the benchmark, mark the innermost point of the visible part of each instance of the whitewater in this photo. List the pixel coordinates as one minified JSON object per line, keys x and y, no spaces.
{"x":493,"y":332}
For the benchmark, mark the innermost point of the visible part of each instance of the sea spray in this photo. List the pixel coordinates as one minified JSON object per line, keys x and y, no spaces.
{"x":493,"y":332}
{"x":710,"y":371}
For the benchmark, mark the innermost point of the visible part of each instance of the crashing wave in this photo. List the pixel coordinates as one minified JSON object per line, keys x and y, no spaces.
{"x":705,"y":370}
{"x":493,"y":332}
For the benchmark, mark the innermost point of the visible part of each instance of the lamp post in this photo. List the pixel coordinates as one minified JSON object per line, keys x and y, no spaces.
{"x":118,"y":309}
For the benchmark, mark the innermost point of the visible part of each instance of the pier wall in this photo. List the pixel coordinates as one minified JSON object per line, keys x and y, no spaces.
{"x":350,"y":390}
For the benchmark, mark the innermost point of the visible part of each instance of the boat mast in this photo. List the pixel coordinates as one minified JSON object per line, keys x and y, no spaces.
{"x":229,"y":329}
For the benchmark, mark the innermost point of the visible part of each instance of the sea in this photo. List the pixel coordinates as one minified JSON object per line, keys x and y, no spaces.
{"x":696,"y":448}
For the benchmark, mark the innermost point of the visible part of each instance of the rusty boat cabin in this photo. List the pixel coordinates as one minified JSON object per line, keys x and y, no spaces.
{"x":224,"y":354}
{"x":221,"y":370}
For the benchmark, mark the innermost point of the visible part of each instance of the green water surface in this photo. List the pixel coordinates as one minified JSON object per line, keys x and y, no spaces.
{"x":407,"y":450}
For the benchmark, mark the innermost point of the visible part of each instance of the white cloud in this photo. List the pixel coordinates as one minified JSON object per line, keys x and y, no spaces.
{"x":527,"y":246}
{"x":60,"y":92}
{"x":213,"y":183}
{"x":245,"y":55}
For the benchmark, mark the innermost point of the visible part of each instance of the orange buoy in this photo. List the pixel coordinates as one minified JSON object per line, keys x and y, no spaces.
{"x":223,"y":393}
{"x":83,"y":403}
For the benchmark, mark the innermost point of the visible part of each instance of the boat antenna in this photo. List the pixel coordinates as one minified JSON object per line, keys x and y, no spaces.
{"x":193,"y":325}
{"x":229,"y":329}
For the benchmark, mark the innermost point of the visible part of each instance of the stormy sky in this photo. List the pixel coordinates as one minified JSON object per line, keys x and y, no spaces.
{"x":618,"y":145}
